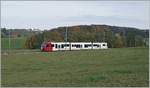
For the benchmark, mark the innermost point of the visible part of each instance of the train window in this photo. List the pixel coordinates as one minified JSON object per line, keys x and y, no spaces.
{"x":66,"y":45}
{"x":62,"y":46}
{"x":73,"y":45}
{"x":52,"y":45}
{"x":77,"y":45}
{"x":96,"y":45}
{"x":104,"y":45}
{"x":87,"y":45}
{"x":56,"y":46}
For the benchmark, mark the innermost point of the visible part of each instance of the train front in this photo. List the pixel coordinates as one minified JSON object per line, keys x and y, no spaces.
{"x":46,"y":47}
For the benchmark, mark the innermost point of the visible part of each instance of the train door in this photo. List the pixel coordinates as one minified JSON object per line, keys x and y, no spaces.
{"x":59,"y":46}
{"x":99,"y":46}
{"x":70,"y":46}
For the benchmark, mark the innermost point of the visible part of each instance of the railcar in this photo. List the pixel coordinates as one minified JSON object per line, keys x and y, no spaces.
{"x":57,"y":46}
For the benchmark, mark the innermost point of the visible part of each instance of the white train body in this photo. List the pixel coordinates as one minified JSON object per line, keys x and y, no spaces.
{"x":56,"y":46}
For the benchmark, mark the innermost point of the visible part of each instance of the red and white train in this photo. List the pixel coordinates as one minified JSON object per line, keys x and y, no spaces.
{"x":56,"y":46}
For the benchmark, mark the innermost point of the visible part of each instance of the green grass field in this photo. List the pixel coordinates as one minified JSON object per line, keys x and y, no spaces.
{"x":15,"y":43}
{"x":113,"y":67}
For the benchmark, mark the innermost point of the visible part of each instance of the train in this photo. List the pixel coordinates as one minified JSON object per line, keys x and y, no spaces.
{"x":61,"y":46}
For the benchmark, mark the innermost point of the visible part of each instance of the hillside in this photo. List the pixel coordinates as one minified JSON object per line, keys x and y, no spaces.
{"x":115,"y":36}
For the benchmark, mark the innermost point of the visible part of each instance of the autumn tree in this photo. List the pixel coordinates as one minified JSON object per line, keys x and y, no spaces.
{"x":118,"y":43}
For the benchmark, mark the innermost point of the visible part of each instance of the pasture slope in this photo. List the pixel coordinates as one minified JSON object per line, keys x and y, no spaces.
{"x":119,"y":67}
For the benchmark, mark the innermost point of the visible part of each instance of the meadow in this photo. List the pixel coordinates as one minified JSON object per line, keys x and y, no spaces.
{"x":15,"y":43}
{"x":118,"y":67}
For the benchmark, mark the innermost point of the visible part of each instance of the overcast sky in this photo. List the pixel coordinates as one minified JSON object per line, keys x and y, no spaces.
{"x":51,"y":14}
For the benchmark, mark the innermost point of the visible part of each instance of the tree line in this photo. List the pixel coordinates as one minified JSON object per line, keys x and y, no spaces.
{"x":116,"y":37}
{"x":17,"y":33}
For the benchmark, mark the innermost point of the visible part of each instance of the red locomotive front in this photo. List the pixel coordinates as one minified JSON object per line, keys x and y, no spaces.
{"x":47,"y":47}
